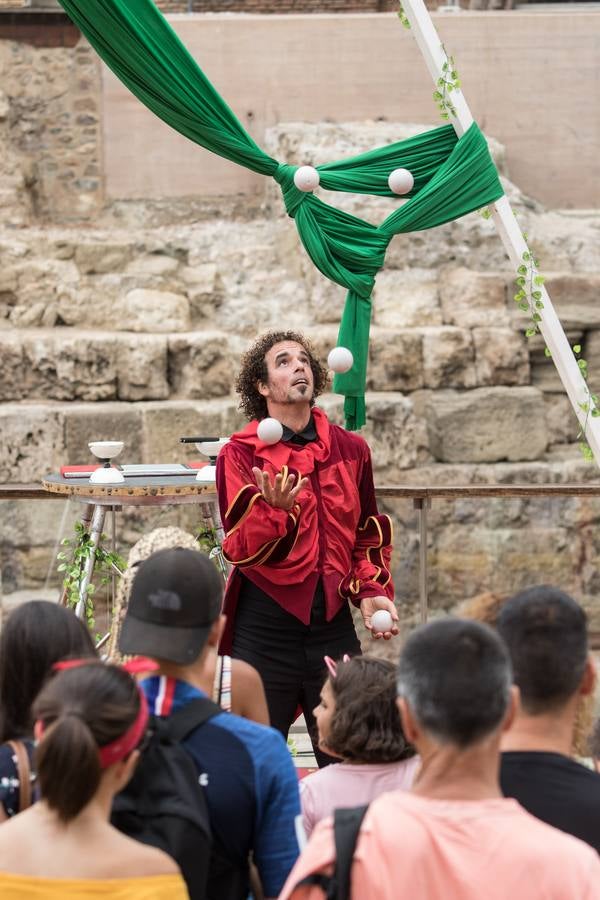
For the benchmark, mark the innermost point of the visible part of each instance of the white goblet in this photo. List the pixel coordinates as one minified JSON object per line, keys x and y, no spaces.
{"x":105,"y":451}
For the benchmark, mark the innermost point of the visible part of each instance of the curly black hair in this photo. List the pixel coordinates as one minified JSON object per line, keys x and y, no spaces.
{"x":254,"y":369}
{"x":365,"y":726}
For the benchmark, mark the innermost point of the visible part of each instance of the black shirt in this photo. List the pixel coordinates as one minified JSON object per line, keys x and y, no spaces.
{"x":555,"y":789}
{"x":308,"y":434}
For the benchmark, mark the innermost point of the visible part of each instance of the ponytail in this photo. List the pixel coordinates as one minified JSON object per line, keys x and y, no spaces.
{"x":68,"y":766}
{"x":84,"y":712}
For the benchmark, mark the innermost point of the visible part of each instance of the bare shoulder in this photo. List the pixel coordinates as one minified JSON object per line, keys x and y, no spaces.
{"x":245,"y":673}
{"x":134,"y":859}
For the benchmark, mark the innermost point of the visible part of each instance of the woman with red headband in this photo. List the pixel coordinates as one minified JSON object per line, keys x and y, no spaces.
{"x":90,"y":720}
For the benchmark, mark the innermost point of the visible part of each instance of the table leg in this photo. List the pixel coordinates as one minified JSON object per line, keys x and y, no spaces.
{"x":212,"y":522}
{"x":423,"y":504}
{"x":95,"y":531}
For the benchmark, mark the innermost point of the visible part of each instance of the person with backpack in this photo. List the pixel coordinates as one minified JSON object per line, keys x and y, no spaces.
{"x":245,"y":770}
{"x":454,"y":837}
{"x":90,"y":721}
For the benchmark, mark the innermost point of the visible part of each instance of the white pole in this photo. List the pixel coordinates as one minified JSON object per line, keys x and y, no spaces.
{"x":511,"y":235}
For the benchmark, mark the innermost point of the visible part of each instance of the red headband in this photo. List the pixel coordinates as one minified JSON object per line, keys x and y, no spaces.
{"x":123,"y":745}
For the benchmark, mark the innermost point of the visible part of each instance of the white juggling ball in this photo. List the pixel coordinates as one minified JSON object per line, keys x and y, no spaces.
{"x":401,"y":181}
{"x":340,"y":359}
{"x":381,"y":621}
{"x":306,"y":178}
{"x":270,"y":431}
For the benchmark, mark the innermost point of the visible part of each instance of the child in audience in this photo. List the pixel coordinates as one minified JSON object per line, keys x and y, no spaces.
{"x":232,"y":683}
{"x":358,"y":722}
{"x":35,"y":636}
{"x":89,"y":723}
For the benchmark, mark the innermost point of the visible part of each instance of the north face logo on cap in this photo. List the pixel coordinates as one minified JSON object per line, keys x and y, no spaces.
{"x":165,"y":600}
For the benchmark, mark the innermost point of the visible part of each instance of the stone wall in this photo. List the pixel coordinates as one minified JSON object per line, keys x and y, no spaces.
{"x":276,"y":6}
{"x":132,"y":328}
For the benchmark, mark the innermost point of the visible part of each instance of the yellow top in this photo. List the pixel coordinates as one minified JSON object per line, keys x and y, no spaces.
{"x":154,"y":887}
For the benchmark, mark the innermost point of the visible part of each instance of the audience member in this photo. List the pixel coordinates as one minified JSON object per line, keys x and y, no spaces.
{"x":236,"y":685}
{"x":35,"y":636}
{"x":545,"y":631}
{"x":358,"y":722}
{"x":250,"y":781}
{"x":454,"y":837}
{"x":89,"y":722}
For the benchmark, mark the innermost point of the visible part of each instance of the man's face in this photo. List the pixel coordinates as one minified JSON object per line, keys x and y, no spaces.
{"x":289,"y":375}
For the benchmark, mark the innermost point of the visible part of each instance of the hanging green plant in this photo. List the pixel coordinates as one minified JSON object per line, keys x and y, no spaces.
{"x":208,"y":541}
{"x":587,"y":405}
{"x":446,"y":83}
{"x":73,"y":560}
{"x":403,"y":17}
{"x":529,"y":296}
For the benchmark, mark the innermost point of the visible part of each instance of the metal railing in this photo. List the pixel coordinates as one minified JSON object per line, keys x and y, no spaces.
{"x":422,"y":498}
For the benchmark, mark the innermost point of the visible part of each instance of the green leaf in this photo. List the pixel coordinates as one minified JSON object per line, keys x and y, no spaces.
{"x":536,"y":317}
{"x":437,"y":95}
{"x":456,"y":84}
{"x":537,"y":295}
{"x":539,"y":279}
{"x":62,"y":567}
{"x":576,"y":348}
{"x":539,"y":304}
{"x":595,"y":413}
{"x":445,"y":67}
{"x":526,"y":256}
{"x":524,"y":307}
{"x":522,"y":270}
{"x":530,"y":332}
{"x":520,"y":281}
{"x":445,"y":116}
{"x":585,"y":407}
{"x":547,"y":353}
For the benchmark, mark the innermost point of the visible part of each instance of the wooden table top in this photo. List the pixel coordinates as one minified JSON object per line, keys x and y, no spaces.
{"x":155,"y":490}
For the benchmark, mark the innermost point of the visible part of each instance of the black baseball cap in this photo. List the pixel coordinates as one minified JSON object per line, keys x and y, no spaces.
{"x":175,"y":599}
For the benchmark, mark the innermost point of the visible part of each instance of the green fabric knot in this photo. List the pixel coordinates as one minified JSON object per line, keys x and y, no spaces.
{"x":292,"y":197}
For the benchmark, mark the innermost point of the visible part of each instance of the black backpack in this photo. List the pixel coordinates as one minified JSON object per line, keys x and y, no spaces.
{"x":164,"y":804}
{"x":346,"y":828}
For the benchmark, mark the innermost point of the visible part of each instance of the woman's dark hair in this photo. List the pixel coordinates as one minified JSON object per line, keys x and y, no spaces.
{"x":35,"y":636}
{"x":254,"y":369}
{"x":365,"y":726}
{"x":81,"y":709}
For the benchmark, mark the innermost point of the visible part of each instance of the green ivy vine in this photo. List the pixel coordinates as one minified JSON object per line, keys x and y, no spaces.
{"x":72,"y":562}
{"x":403,"y":17}
{"x":446,"y":83}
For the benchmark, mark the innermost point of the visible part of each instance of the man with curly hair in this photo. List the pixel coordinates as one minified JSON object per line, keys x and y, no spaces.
{"x":302,"y":532}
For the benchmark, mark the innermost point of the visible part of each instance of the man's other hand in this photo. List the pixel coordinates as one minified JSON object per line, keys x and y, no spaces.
{"x":369,"y":605}
{"x":279,"y":493}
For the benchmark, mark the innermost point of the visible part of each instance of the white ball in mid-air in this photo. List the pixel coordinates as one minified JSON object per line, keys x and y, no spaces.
{"x":340,"y":359}
{"x":401,"y":181}
{"x":270,"y":431}
{"x":306,"y":178}
{"x":381,"y":621}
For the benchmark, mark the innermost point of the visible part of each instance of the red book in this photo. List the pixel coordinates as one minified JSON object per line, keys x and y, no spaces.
{"x":78,"y":471}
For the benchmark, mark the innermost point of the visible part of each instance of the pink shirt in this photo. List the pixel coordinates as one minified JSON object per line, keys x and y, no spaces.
{"x":351,"y":784}
{"x":410,"y":846}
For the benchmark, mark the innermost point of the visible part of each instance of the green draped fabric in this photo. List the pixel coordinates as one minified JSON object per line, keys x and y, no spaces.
{"x":452,"y":176}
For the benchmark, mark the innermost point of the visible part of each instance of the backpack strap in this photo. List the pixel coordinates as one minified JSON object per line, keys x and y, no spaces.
{"x":24,"y":773}
{"x":190,"y":717}
{"x":346,"y":828}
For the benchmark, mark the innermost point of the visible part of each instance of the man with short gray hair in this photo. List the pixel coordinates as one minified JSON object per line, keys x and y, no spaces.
{"x":454,"y":837}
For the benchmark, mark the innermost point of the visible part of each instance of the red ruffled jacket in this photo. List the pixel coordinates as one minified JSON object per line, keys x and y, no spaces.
{"x":333,"y":532}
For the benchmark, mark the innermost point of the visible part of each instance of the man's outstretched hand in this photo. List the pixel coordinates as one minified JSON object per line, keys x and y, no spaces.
{"x":369,"y":605}
{"x":279,"y":493}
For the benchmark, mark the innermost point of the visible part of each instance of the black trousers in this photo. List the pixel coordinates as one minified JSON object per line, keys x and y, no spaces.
{"x":289,"y":655}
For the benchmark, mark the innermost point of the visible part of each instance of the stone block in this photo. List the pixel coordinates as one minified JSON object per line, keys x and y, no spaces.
{"x":102,"y":422}
{"x":501,"y":356}
{"x":31,"y":441}
{"x":27,"y":523}
{"x":155,"y":264}
{"x":69,"y":366}
{"x":102,"y":257}
{"x":165,"y":423}
{"x":142,"y":367}
{"x":575,"y":298}
{"x":406,"y":298}
{"x":487,"y":425}
{"x":157,"y":311}
{"x":12,"y":370}
{"x":448,"y":358}
{"x":396,"y":435}
{"x":395,"y":360}
{"x":470,"y":299}
{"x":204,"y":289}
{"x":561,"y":420}
{"x":201,"y":365}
